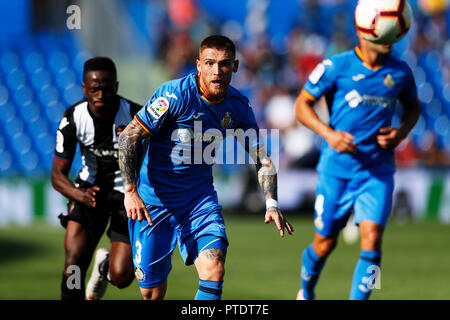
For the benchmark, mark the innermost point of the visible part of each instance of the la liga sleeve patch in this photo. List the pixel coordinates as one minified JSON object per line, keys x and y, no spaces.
{"x":158,"y":107}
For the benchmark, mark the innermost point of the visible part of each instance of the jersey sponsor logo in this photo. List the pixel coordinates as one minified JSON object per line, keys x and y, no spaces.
{"x":353,"y":98}
{"x":358,"y":77}
{"x":389,"y":81}
{"x":64,"y":123}
{"x":98,"y":152}
{"x":227,"y":120}
{"x":140,"y":274}
{"x":59,"y":141}
{"x":171,"y":95}
{"x":158,"y":107}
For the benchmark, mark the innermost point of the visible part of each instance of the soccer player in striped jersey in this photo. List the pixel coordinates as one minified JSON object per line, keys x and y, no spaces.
{"x":96,"y":196}
{"x":356,"y":167}
{"x":171,"y":198}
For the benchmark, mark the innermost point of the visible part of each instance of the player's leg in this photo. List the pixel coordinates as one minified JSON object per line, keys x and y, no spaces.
{"x":210,"y":265}
{"x":331,"y":211}
{"x":79,"y":245}
{"x":203,"y":241}
{"x":152,"y":248}
{"x":121,"y":270}
{"x":372,"y":210}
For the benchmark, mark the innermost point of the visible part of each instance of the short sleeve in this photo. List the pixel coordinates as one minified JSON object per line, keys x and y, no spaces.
{"x":409,"y":91}
{"x":157,"y":110}
{"x":66,"y":140}
{"x":320,"y":81}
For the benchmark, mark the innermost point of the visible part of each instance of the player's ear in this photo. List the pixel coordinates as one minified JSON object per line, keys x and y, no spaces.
{"x":235,"y":65}
{"x":198,"y":64}
{"x":84,"y":87}
{"x":117,"y":87}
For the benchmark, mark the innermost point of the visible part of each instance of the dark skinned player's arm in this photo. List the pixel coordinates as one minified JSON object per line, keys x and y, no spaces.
{"x":62,"y":183}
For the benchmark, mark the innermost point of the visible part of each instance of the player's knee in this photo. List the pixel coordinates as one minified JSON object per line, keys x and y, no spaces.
{"x":156,"y":293}
{"x":213,"y":271}
{"x":371,"y":240}
{"x":324,"y":247}
{"x":121,"y":276}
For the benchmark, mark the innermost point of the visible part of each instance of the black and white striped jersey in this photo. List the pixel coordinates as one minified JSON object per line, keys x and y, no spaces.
{"x":98,"y":140}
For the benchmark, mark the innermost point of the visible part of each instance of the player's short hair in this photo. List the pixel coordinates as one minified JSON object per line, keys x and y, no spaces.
{"x":99,"y":64}
{"x":218,"y":42}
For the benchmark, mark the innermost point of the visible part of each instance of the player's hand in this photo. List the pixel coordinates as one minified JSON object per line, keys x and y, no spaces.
{"x":341,"y":141}
{"x":273,"y":214}
{"x":88,"y":196}
{"x":389,"y":138}
{"x":135,"y":207}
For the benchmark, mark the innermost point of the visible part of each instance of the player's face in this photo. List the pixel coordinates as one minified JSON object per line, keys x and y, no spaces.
{"x":215,"y":69}
{"x":100,"y":88}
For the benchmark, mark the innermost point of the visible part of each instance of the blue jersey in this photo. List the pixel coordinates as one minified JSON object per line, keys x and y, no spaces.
{"x":185,"y":129}
{"x":361,"y":99}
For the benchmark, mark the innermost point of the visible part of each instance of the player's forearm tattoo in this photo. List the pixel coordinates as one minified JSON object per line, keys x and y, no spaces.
{"x":267,"y":176}
{"x":128,"y":140}
{"x":213,"y":254}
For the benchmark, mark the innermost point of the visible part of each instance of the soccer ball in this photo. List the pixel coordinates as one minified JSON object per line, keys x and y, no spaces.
{"x":383,"y":21}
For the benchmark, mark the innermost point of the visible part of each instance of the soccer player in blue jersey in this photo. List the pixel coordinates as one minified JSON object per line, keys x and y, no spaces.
{"x":169,"y":193}
{"x":356,"y":166}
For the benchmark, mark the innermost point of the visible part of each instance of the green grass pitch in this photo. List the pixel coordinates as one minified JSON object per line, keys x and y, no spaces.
{"x":260,"y":264}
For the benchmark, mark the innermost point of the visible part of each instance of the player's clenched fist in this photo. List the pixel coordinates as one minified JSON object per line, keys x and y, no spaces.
{"x":389,"y":138}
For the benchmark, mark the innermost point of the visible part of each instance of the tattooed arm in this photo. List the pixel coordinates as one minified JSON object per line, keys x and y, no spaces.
{"x":267,"y":178}
{"x":128,"y":142}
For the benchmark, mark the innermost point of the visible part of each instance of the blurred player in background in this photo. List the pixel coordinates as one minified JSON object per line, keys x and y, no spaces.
{"x":97,"y":196}
{"x":356,"y":165}
{"x":171,"y":199}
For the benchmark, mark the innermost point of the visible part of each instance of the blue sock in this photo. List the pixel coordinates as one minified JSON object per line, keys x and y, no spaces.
{"x":365,"y":273}
{"x":209,"y":290}
{"x":311,"y":267}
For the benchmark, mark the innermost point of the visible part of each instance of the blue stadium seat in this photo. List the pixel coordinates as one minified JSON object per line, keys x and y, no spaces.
{"x":48,"y":95}
{"x":9,"y":61}
{"x":4,"y":95}
{"x":23,"y":96}
{"x":72,"y":94}
{"x":38,"y":127}
{"x":34,"y":61}
{"x":40,"y":79}
{"x":54,"y":112}
{"x":14,"y":127}
{"x":16,"y":79}
{"x":8,"y":112}
{"x":30,"y":113}
{"x":58,"y":61}
{"x":434,"y":108}
{"x":21,"y":143}
{"x":6,"y":163}
{"x":29,"y":163}
{"x":425,"y":92}
{"x":65,"y":78}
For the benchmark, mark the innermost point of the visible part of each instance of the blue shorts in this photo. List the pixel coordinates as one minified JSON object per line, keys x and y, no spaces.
{"x":195,"y":227}
{"x":369,"y":196}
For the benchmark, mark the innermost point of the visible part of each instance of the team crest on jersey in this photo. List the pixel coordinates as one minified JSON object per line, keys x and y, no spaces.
{"x":140,"y":275}
{"x":227,"y":120}
{"x":119,"y":129}
{"x":158,"y":107}
{"x":389,"y":81}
